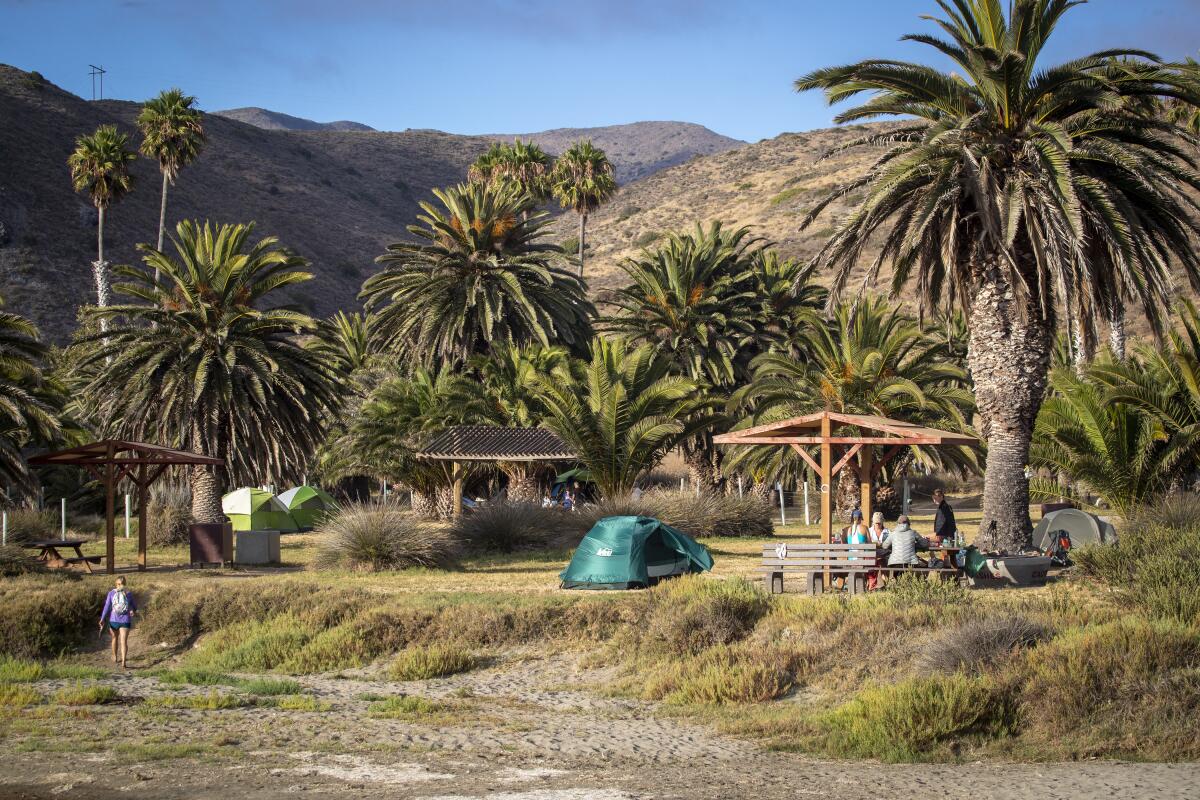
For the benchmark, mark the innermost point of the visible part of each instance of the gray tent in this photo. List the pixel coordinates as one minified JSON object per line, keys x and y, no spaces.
{"x":1083,"y":528}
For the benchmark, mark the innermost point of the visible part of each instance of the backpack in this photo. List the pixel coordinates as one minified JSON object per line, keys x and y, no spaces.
{"x":120,"y":602}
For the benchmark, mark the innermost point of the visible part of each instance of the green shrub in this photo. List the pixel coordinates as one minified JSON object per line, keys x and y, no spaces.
{"x":405,"y":707}
{"x":18,"y":696}
{"x":916,"y":589}
{"x":47,"y":615}
{"x":506,"y":527}
{"x":252,"y":646}
{"x":915,"y":719}
{"x":978,"y":643}
{"x":269,"y":686}
{"x":194,"y":677}
{"x":423,"y":663}
{"x":383,"y":537}
{"x":1149,"y":566}
{"x":212,"y":701}
{"x":570,"y":245}
{"x":647,"y":238}
{"x":692,"y":613}
{"x":297,"y":702}
{"x":84,"y":695}
{"x":723,"y":675}
{"x":19,"y":670}
{"x":626,"y":213}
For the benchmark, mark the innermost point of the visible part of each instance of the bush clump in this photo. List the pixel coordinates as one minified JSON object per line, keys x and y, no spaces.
{"x":973,"y":645}
{"x":708,"y":514}
{"x":1154,"y":565}
{"x":438,"y":661}
{"x":405,"y":707}
{"x":507,"y":527}
{"x":47,"y":615}
{"x":14,"y":561}
{"x":690,"y":614}
{"x":724,"y":675}
{"x":383,"y":537}
{"x":168,"y":515}
{"x":84,"y":695}
{"x":29,"y":524}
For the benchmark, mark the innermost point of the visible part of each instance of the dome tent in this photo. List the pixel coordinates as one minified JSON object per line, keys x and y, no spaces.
{"x":631,"y":553}
{"x":1083,"y":528}
{"x":308,"y":505}
{"x":256,"y":510}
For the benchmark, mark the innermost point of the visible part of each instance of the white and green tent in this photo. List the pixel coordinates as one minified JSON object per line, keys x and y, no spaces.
{"x":257,"y":510}
{"x":308,"y":505}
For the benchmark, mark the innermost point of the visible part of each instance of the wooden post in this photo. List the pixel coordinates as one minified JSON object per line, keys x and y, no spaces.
{"x":142,"y":492}
{"x":109,"y":513}
{"x":866,"y":476}
{"x":826,"y":479}
{"x":456,"y":475}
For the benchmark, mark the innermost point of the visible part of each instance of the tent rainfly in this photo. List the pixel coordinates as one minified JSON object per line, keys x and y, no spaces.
{"x":1083,"y":528}
{"x":844,"y":436}
{"x":111,"y":460}
{"x":256,"y":510}
{"x":308,"y":505}
{"x":463,"y":443}
{"x":632,"y":553}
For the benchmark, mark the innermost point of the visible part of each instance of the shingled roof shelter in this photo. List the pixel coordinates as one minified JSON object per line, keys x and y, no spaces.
{"x":844,"y":436}
{"x":111,"y":460}
{"x":460,"y":443}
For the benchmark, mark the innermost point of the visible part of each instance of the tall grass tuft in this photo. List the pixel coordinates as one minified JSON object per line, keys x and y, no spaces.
{"x":705,"y":514}
{"x":47,"y":615}
{"x":168,"y":515}
{"x":507,"y":527}
{"x":689,"y":614}
{"x":973,"y":645}
{"x":437,"y":661}
{"x":28,"y":524}
{"x":383,"y":537}
{"x":15,"y":560}
{"x":1155,"y":565}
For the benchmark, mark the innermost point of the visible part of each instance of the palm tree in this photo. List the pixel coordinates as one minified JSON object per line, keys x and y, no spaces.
{"x":1118,"y":451}
{"x":622,"y":412}
{"x":1009,"y":189}
{"x":583,"y":180}
{"x":506,"y":393}
{"x":482,"y":274}
{"x":203,"y":360}
{"x":100,"y":167}
{"x":172,"y":133}
{"x":523,"y":163}
{"x":345,"y":342}
{"x":29,"y":404}
{"x":789,"y":301}
{"x":872,"y":358}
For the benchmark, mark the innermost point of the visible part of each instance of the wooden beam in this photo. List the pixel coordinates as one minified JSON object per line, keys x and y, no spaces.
{"x":457,"y":477}
{"x":142,"y":492}
{"x":826,"y":477}
{"x":887,"y":456}
{"x":849,"y":455}
{"x":816,"y":468}
{"x":109,"y":524}
{"x":866,"y":477}
{"x":883,"y":440}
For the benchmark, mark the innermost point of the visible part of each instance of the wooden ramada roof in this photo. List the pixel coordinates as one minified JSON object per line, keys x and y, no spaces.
{"x":807,"y":430}
{"x":485,"y":443}
{"x":122,"y":453}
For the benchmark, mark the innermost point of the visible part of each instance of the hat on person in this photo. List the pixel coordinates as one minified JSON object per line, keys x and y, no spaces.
{"x":856,"y":514}
{"x":877,"y":517}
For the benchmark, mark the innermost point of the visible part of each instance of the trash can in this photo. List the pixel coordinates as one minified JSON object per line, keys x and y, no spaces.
{"x":256,"y":547}
{"x":210,"y":543}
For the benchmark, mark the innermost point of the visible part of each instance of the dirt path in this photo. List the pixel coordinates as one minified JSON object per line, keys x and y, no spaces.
{"x":518,"y":733}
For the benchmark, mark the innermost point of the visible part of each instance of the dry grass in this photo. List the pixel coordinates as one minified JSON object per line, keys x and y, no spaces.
{"x":383,"y":537}
{"x":84,"y":695}
{"x":437,"y":661}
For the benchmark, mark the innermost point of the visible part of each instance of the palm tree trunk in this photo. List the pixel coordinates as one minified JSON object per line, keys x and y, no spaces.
{"x":100,"y":271}
{"x":1008,"y":355}
{"x":162,"y":221}
{"x":702,"y":471}
{"x":522,"y":487}
{"x":444,"y":502}
{"x":761,"y":490}
{"x":582,"y":240}
{"x":1116,"y":330}
{"x":424,"y":504}
{"x":206,"y":495}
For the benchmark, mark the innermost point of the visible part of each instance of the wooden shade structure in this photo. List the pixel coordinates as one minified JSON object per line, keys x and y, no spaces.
{"x":111,"y":460}
{"x":460,"y":443}
{"x":842,"y":437}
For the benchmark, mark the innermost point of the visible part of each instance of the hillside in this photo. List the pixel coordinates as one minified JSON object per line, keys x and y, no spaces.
{"x":277,"y":121}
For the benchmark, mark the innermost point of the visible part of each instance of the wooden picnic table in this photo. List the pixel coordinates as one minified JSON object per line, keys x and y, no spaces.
{"x":50,"y":552}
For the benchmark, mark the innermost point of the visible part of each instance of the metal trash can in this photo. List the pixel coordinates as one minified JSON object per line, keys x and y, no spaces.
{"x":210,"y":543}
{"x":256,"y":547}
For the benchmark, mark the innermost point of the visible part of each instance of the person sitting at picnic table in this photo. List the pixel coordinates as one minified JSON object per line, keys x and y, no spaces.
{"x":904,"y":543}
{"x":944,"y":526}
{"x":876,"y":534}
{"x":119,"y":609}
{"x":856,"y":531}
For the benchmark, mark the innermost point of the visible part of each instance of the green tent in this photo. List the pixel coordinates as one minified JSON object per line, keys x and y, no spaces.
{"x":308,"y":505}
{"x":256,"y":510}
{"x":632,"y":552}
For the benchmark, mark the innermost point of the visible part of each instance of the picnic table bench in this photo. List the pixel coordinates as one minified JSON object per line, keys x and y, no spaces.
{"x":49,"y":552}
{"x":810,"y":562}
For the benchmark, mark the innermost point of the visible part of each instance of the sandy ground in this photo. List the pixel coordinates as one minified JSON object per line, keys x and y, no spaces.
{"x":526,"y":734}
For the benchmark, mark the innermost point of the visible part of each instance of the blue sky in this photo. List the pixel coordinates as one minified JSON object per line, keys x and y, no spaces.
{"x":512,"y":66}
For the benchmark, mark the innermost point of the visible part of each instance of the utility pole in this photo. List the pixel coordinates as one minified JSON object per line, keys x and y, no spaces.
{"x":97,"y":71}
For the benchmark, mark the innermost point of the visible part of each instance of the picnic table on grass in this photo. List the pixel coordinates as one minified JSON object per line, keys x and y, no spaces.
{"x":50,"y":552}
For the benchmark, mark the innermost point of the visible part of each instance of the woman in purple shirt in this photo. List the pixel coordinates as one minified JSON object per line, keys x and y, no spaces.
{"x":118,"y":612}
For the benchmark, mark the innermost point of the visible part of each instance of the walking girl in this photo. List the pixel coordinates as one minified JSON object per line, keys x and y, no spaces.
{"x":119,"y":609}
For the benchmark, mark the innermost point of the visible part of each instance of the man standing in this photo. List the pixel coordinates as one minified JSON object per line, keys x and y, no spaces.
{"x":944,"y":526}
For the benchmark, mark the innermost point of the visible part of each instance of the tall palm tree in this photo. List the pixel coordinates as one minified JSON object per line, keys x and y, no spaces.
{"x":100,"y":166}
{"x":523,"y":163}
{"x":1118,"y":451}
{"x":789,"y":301}
{"x":583,"y":180}
{"x":203,"y":359}
{"x":345,"y":342}
{"x":1012,"y":187}
{"x":479,"y":273}
{"x":172,"y":133}
{"x":622,"y":412}
{"x":872,"y":358}
{"x":29,"y":404}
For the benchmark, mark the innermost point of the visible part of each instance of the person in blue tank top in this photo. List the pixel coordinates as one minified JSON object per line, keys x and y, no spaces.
{"x":117,"y":616}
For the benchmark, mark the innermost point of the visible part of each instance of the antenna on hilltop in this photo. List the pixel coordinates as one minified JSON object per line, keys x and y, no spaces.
{"x":97,"y":71}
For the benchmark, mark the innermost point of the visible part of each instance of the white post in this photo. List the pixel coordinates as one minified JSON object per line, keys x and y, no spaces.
{"x":739,"y":485}
{"x":63,"y":518}
{"x":807,"y":521}
{"x":4,"y":527}
{"x":127,"y":515}
{"x":782,"y":513}
{"x":906,"y":494}
{"x":682,"y":484}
